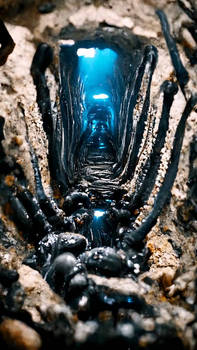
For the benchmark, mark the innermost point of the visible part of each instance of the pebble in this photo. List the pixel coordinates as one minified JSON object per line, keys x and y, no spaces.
{"x":103,"y":260}
{"x":17,"y":335}
{"x":70,"y":242}
{"x":64,"y":263}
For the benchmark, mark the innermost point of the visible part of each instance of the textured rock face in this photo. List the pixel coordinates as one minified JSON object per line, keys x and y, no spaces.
{"x":169,"y":285}
{"x":37,"y":292}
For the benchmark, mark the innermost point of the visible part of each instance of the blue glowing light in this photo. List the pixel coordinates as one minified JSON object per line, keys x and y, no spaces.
{"x":129,"y":299}
{"x":102,"y":145}
{"x":101,"y":97}
{"x":96,"y":67}
{"x":96,"y":70}
{"x":88,"y":53}
{"x":99,"y":213}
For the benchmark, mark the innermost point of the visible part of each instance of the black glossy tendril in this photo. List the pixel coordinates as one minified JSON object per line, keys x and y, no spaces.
{"x":181,"y":73}
{"x":129,"y":160}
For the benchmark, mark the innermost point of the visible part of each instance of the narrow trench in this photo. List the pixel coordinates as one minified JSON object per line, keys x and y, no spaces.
{"x":95,"y":78}
{"x":99,"y":154}
{"x":99,"y":159}
{"x":96,"y":153}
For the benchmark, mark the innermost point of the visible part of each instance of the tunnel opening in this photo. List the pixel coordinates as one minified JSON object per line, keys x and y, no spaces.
{"x":96,"y":81}
{"x":95,"y":78}
{"x":94,"y":115}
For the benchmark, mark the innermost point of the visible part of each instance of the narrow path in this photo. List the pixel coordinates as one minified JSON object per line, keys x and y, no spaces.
{"x":100,"y":157}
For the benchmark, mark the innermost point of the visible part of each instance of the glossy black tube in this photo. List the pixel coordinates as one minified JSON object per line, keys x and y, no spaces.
{"x":137,"y":236}
{"x":181,"y":73}
{"x":51,"y":124}
{"x":191,"y":12}
{"x":150,"y":60}
{"x":153,"y":162}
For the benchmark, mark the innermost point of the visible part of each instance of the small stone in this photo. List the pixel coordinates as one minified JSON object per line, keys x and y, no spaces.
{"x":148,"y":324}
{"x":126,"y":329}
{"x":103,"y":260}
{"x":167,"y":277}
{"x":17,"y":335}
{"x":64,"y":263}
{"x":70,"y":242}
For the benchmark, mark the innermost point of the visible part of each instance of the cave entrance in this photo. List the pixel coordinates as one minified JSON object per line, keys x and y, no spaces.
{"x":96,"y":78}
{"x":99,"y":144}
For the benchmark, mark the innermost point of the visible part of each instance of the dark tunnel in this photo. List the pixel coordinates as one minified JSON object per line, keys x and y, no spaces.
{"x":96,"y":80}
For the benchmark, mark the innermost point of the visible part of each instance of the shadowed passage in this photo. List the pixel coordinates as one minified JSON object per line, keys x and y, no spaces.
{"x":92,"y":87}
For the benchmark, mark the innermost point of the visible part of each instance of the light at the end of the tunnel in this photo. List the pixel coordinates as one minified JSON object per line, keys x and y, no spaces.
{"x":88,"y":53}
{"x":99,"y":213}
{"x":101,"y":97}
{"x":69,"y":42}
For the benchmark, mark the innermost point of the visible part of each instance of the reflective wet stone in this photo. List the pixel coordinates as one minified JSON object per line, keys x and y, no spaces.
{"x":137,"y":260}
{"x":62,"y":266}
{"x":76,"y":200}
{"x":66,"y":274}
{"x":121,"y":216}
{"x":70,"y":242}
{"x":103,"y":260}
{"x":78,"y":282}
{"x":52,"y":245}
